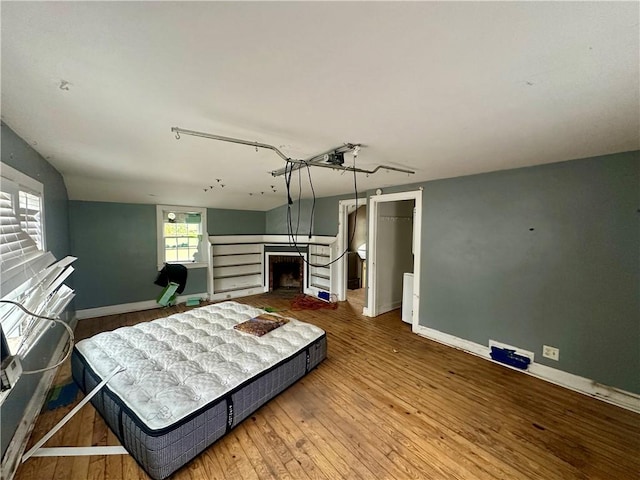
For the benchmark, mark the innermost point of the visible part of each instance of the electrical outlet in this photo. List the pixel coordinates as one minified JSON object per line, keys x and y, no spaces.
{"x":551,"y":352}
{"x":10,"y":372}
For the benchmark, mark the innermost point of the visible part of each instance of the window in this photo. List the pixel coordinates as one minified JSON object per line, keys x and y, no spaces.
{"x":30,"y":216}
{"x":22,"y":214}
{"x":182,"y":236}
{"x":28,"y":274}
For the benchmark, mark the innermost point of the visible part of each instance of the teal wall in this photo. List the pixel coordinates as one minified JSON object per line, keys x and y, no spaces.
{"x":19,"y":155}
{"x":325,"y":216}
{"x":531,"y":256}
{"x":276,"y":220}
{"x":116,"y":246}
{"x":542,"y":255}
{"x":16,"y":153}
{"x":235,"y":222}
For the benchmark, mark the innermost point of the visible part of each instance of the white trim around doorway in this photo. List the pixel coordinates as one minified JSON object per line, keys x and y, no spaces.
{"x":372,"y":211}
{"x":342,"y":243}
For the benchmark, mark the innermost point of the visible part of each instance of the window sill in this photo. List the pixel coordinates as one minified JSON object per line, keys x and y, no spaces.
{"x":189,"y":265}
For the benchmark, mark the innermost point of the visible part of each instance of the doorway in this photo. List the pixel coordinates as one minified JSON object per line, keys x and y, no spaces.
{"x":352,"y":237}
{"x":393,"y":250}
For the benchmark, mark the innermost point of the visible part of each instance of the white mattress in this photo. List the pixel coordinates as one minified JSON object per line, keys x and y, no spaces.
{"x":174,"y":366}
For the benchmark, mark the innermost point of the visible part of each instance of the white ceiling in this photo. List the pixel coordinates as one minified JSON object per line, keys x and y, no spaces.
{"x":444,"y":88}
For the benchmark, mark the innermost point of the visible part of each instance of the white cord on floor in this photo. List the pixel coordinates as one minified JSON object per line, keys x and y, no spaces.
{"x":55,"y":320}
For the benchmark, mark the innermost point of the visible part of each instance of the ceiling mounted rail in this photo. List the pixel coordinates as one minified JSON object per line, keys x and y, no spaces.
{"x":227,"y":139}
{"x":319,"y":160}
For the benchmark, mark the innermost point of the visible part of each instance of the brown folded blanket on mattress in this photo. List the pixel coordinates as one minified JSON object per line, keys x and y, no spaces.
{"x":261,"y":324}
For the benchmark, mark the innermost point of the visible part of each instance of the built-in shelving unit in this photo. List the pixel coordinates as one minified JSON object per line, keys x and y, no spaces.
{"x":319,"y":274}
{"x":237,"y":267}
{"x":238,"y":264}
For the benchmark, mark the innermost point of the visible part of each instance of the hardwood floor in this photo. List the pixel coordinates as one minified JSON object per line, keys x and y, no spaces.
{"x":385,"y":404}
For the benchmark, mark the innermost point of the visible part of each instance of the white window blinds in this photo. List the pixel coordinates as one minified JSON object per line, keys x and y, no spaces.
{"x":16,"y":243}
{"x":30,"y":208}
{"x":29,"y":275}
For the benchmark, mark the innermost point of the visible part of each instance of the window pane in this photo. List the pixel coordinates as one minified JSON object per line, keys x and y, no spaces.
{"x":194,"y":228}
{"x":182,"y":242}
{"x":170,"y":252}
{"x":171,"y":255}
{"x":182,"y":251}
{"x":170,"y":243}
{"x":181,"y":229}
{"x":169,"y":229}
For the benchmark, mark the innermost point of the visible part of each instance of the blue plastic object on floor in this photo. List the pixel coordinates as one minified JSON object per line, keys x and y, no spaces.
{"x":324,"y":296}
{"x":510,"y":357}
{"x":61,"y":395}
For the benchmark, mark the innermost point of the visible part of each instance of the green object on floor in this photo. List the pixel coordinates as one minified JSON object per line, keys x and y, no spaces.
{"x":193,"y":302}
{"x":168,"y":295}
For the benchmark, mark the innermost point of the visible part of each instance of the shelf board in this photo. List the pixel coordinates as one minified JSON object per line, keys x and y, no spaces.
{"x":237,"y":289}
{"x":321,"y":287}
{"x":237,"y":265}
{"x":234,"y":254}
{"x":317,"y":275}
{"x":250,"y":274}
{"x":236,"y":243}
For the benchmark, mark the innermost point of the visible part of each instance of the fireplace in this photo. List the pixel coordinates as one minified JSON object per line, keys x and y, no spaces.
{"x":286,"y":272}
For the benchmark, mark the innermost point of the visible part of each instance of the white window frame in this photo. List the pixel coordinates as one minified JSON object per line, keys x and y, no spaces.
{"x":29,"y":185}
{"x":30,"y":279}
{"x":203,"y":248}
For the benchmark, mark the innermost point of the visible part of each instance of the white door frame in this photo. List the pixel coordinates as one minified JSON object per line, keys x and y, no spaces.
{"x":342,"y":244}
{"x":372,"y":210}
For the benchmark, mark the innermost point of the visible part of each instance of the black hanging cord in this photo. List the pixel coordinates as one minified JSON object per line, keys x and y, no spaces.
{"x":287,"y":178}
{"x":299,"y":202}
{"x":290,"y":232}
{"x":313,"y":205}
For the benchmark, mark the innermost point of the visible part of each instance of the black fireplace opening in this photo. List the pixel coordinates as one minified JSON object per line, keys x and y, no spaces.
{"x":285,"y":273}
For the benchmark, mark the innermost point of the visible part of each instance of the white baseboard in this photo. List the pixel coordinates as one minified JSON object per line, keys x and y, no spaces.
{"x":18,"y":443}
{"x":382,"y":309}
{"x":586,"y":386}
{"x":389,"y":307}
{"x":131,"y":307}
{"x":452,"y":341}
